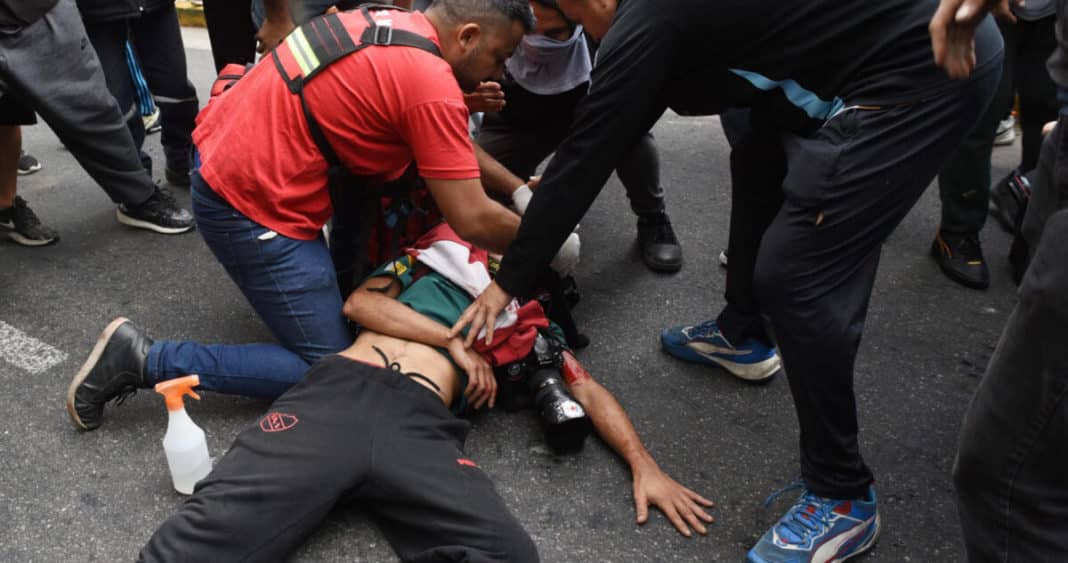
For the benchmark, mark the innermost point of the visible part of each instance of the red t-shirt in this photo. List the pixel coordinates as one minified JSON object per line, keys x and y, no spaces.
{"x":380,"y":109}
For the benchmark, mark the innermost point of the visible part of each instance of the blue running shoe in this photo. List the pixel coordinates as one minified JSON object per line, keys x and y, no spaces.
{"x":819,"y":530}
{"x":704,"y":343}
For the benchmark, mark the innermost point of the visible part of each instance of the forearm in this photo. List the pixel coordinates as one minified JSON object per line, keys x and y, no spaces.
{"x":497,"y":229}
{"x":495,"y":177}
{"x":612,"y":423}
{"x":473,"y":215}
{"x":388,"y":316}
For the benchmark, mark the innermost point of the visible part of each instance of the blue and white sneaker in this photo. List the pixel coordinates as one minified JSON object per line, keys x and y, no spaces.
{"x":820,"y":530}
{"x":704,"y":343}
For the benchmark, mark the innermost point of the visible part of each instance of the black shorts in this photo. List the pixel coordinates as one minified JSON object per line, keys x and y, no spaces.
{"x":14,"y":112}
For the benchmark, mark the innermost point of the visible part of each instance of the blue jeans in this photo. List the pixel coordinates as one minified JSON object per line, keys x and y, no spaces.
{"x":292,"y":286}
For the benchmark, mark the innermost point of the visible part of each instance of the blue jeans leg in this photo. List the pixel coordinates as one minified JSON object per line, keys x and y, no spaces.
{"x":291,"y":285}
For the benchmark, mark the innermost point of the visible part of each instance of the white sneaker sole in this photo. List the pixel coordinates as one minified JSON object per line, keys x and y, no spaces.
{"x":24,"y":241}
{"x":94,"y":357}
{"x":141,"y":224}
{"x":749,"y":372}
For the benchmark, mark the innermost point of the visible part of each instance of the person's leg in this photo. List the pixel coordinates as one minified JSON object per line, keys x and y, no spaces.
{"x":17,"y":220}
{"x":1045,"y":199}
{"x":60,"y":77}
{"x":109,"y":41}
{"x":230,"y":31}
{"x":964,"y":185}
{"x":10,"y":147}
{"x":846,"y":189}
{"x":144,"y":95}
{"x":1010,"y":478}
{"x":639,"y":172}
{"x":737,"y":340}
{"x":158,"y":40}
{"x":430,"y":500}
{"x":281,"y":476}
{"x":291,"y":285}
{"x":1037,"y":92}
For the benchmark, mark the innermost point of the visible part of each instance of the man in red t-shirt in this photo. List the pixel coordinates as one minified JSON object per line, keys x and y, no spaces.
{"x":260,"y":195}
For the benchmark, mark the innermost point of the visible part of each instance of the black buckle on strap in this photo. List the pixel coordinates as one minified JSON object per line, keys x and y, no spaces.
{"x":380,"y":31}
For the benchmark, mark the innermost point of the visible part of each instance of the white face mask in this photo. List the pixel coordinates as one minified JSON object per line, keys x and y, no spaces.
{"x":548,"y":66}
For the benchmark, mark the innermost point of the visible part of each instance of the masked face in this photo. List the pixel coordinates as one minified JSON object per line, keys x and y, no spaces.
{"x":483,"y":51}
{"x":549,"y":66}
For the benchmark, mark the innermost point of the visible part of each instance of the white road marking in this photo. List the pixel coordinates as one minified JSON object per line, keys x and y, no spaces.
{"x":26,"y":352}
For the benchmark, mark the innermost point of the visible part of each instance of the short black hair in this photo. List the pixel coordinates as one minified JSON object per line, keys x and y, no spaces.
{"x":549,"y":4}
{"x":480,"y":10}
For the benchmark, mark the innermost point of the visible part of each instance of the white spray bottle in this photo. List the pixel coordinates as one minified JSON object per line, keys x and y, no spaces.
{"x":184,"y":442}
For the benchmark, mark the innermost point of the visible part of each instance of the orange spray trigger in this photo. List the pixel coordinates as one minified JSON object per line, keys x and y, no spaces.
{"x":175,"y":390}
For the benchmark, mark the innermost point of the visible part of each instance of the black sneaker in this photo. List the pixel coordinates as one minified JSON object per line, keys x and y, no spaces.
{"x":28,"y":164}
{"x":1008,"y":201}
{"x":22,"y":225}
{"x":659,"y":246}
{"x":115,"y":369}
{"x":961,"y":259}
{"x":160,"y":213}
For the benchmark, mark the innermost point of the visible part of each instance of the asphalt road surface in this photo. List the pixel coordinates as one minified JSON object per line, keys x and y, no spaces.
{"x":67,"y":495}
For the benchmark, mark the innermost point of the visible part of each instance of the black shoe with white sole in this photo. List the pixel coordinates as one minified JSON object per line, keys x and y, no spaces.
{"x":160,"y":214}
{"x":21,"y":225}
{"x":115,"y":370}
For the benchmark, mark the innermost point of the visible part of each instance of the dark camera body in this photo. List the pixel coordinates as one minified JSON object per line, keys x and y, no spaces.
{"x":537,"y":382}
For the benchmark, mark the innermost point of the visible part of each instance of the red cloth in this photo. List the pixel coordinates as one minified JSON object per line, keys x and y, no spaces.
{"x":380,"y":109}
{"x":514,"y":342}
{"x":511,"y":342}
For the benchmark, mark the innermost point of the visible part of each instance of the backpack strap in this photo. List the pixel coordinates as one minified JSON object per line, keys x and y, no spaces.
{"x":322,"y":41}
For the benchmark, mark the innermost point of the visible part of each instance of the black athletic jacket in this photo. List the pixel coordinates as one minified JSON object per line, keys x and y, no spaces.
{"x":797,"y":61}
{"x":95,"y":11}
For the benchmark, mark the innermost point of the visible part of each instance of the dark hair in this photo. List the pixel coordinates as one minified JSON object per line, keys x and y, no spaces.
{"x":481,"y":10}
{"x":549,"y":4}
{"x":553,"y":5}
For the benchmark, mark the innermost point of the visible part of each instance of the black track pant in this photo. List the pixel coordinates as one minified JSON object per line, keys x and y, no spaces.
{"x":808,"y":219}
{"x":157,"y":39}
{"x":348,"y":435}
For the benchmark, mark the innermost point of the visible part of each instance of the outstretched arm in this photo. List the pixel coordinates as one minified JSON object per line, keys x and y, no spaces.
{"x":683,"y":507}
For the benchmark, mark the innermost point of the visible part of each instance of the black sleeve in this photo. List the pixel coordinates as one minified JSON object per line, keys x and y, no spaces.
{"x":626,"y":98}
